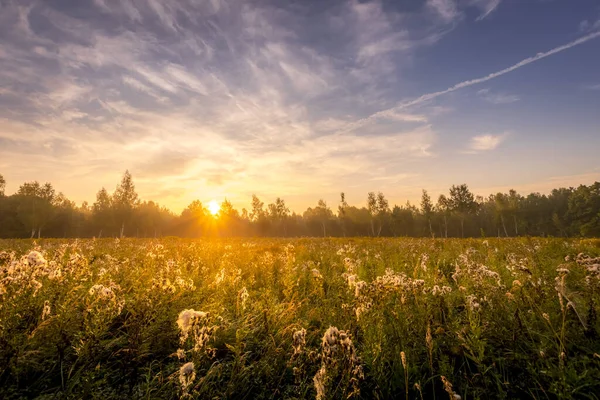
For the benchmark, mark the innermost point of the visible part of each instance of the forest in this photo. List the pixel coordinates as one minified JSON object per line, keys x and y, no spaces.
{"x":36,"y":210}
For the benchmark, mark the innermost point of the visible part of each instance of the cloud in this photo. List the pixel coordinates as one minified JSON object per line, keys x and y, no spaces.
{"x":497,"y":98}
{"x":593,"y":87}
{"x":589,"y":26}
{"x":208,"y":99}
{"x":486,"y":7}
{"x":446,"y":9}
{"x":485,"y":142}
{"x":433,"y":95}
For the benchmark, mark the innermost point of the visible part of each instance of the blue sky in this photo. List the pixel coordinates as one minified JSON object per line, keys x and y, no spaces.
{"x":214,"y":99}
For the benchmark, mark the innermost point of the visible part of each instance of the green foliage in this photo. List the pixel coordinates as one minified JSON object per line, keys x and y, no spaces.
{"x":495,"y":318}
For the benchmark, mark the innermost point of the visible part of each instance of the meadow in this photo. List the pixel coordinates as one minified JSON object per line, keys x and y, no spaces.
{"x":300,"y":318}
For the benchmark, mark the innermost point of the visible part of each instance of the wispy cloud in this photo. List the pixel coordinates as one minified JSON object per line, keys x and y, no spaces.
{"x":589,"y":25}
{"x":485,"y":142}
{"x":431,"y":96}
{"x":486,"y":7}
{"x":223,"y":97}
{"x":446,"y":9}
{"x":593,"y":87}
{"x":207,"y":99}
{"x":497,"y":98}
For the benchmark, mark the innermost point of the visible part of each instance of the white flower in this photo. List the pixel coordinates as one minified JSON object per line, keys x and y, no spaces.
{"x":299,"y":340}
{"x":35,"y":258}
{"x":187,"y":374}
{"x":186,"y":320}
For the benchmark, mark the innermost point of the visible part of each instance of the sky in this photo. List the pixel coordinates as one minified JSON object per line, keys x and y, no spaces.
{"x":301,"y":99}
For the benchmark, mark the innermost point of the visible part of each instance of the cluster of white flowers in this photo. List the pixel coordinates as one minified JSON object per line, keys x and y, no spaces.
{"x":170,"y":278}
{"x":36,"y":259}
{"x":465,"y":267}
{"x":346,"y":249}
{"x":101,"y":291}
{"x":473,"y":303}
{"x":337,"y":351}
{"x":25,"y":273}
{"x":197,"y":325}
{"x":518,"y":267}
{"x":591,"y":266}
{"x":441,"y":291}
{"x":106,"y":297}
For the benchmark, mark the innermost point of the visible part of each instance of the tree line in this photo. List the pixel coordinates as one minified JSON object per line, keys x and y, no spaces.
{"x":37,"y":210}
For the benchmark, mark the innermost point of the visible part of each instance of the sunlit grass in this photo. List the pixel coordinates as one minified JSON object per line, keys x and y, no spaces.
{"x":304,"y":318}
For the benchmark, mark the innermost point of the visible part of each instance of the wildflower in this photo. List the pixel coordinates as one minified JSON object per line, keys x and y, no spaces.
{"x":358,"y":287}
{"x":448,"y":388}
{"x":299,"y":340}
{"x":316,"y":274}
{"x":319,"y":381}
{"x":220,"y":277}
{"x":187,"y":374}
{"x":180,"y":354}
{"x":102,"y":291}
{"x":472,"y":302}
{"x":35,"y":259}
{"x":546,"y":317}
{"x":46,"y":311}
{"x":403,"y":358}
{"x":243,"y":297}
{"x":186,"y":320}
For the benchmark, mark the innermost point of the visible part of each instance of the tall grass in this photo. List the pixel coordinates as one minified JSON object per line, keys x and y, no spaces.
{"x":305,"y":318}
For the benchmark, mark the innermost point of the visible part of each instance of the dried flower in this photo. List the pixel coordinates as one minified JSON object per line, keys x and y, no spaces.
{"x":187,"y":374}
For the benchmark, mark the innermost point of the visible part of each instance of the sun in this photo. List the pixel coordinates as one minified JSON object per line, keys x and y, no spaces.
{"x":214,"y":207}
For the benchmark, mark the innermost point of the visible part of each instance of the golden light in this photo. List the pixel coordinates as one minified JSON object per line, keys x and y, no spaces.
{"x":214,"y":207}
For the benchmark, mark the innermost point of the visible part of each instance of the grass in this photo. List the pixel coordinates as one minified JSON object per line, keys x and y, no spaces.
{"x":383,"y":318}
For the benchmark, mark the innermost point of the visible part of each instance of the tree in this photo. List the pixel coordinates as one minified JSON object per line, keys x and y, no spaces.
{"x":584,"y":210}
{"x":403,"y":220}
{"x":379,"y":209}
{"x":427,"y":210}
{"x":463,"y":203}
{"x":229,"y":218}
{"x":443,"y":207}
{"x":36,"y":205}
{"x":102,"y":212}
{"x":257,"y":209}
{"x":2,"y":185}
{"x":278,"y":213}
{"x":258,"y":216}
{"x":193,"y":219}
{"x":321,"y":215}
{"x":125,"y":200}
{"x":514,"y":204}
{"x":342,"y":212}
{"x":501,"y":208}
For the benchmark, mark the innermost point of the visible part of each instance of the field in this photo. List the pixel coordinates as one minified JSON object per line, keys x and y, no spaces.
{"x":304,"y":318}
